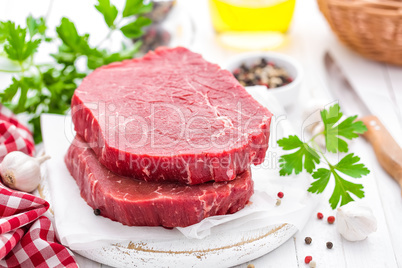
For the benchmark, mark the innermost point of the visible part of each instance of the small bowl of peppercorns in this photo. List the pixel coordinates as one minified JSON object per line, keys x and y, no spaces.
{"x":276,"y":73}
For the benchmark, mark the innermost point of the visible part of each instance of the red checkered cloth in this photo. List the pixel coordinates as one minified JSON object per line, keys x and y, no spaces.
{"x":14,"y":136}
{"x":27,"y":237}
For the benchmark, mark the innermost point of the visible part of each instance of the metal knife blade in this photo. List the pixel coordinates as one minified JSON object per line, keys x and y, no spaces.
{"x":341,"y":89}
{"x":387,"y":150}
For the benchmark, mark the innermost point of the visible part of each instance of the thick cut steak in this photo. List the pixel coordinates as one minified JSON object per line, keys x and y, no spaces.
{"x":138,"y":203}
{"x":171,"y":116}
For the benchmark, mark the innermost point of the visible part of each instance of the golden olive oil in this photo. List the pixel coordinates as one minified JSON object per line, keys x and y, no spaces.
{"x":251,"y":15}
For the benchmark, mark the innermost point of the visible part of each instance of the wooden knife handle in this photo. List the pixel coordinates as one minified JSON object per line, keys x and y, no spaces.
{"x":387,"y":150}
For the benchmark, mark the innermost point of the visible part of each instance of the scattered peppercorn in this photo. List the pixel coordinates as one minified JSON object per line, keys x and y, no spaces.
{"x":278,"y":202}
{"x":97,"y":212}
{"x":313,"y":264}
{"x":262,"y":73}
{"x":308,"y":240}
{"x":329,"y":245}
{"x":331,"y":219}
{"x":250,"y":266}
{"x":320,"y":216}
{"x":308,"y":259}
{"x":280,"y":195}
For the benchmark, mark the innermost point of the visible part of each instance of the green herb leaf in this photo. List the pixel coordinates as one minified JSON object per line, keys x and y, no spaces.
{"x":342,"y":190}
{"x":23,"y":97}
{"x":348,"y":166}
{"x":35,"y":122}
{"x":334,"y":129}
{"x":36,"y":26}
{"x":134,"y":29}
{"x":3,"y":30}
{"x":350,"y":128}
{"x":322,"y":176}
{"x":305,"y":157}
{"x":70,"y":37}
{"x":108,"y":10}
{"x":136,"y":7}
{"x":8,"y":94}
{"x":17,"y":48}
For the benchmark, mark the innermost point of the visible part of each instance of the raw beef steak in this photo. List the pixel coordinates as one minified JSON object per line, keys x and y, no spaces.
{"x":171,"y":116}
{"x":138,"y":203}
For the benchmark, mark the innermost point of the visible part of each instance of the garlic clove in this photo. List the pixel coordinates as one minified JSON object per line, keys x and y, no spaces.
{"x":355,"y":221}
{"x":20,"y":171}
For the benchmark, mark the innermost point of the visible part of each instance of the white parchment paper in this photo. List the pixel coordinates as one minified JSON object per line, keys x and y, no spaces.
{"x":78,"y":228}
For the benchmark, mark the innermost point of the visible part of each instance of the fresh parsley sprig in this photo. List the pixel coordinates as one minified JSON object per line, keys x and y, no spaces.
{"x":38,"y":88}
{"x":307,"y":155}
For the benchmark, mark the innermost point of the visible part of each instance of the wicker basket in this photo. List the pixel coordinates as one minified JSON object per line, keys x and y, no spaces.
{"x":372,"y":28}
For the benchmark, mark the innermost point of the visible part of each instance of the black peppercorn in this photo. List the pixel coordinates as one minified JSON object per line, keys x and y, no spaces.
{"x":329,"y":245}
{"x":263,"y":63}
{"x":243,"y":67}
{"x":308,"y":240}
{"x":97,"y":212}
{"x":261,"y":73}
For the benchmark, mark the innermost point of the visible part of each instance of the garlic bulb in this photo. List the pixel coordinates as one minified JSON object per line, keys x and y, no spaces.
{"x":20,"y":171}
{"x":355,"y":221}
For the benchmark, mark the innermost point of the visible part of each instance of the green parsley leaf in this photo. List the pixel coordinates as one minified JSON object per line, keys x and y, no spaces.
{"x":3,"y":29}
{"x":334,"y":129}
{"x":35,"y":122}
{"x":305,"y":156}
{"x":17,"y":48}
{"x":108,"y":10}
{"x":23,"y":97}
{"x":36,"y":26}
{"x":322,"y":176}
{"x":70,"y":37}
{"x":350,"y":128}
{"x":348,"y":166}
{"x":133,"y":29}
{"x":8,"y":94}
{"x":342,"y":190}
{"x":136,"y":7}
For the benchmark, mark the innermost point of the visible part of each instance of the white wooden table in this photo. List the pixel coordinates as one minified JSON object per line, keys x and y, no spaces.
{"x":309,"y":37}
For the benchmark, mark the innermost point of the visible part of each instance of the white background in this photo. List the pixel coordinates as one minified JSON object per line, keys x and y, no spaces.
{"x":378,"y":84}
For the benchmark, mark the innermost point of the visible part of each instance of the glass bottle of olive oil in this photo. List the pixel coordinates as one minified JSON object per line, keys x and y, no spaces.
{"x":252,"y":19}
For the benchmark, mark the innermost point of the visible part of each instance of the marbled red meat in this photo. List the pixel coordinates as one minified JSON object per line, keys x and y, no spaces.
{"x":138,"y":203}
{"x":171,"y":116}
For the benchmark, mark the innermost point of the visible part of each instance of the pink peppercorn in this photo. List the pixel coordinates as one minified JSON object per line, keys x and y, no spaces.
{"x":331,"y":219}
{"x":308,"y":259}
